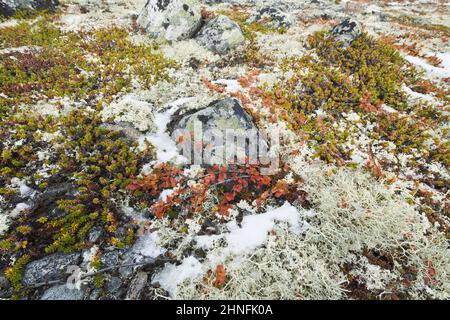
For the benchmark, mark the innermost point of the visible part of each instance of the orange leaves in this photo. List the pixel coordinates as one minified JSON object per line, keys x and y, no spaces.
{"x":280,"y":189}
{"x":228,"y":183}
{"x":365,"y":103}
{"x":374,"y":166}
{"x":220,"y":276}
{"x":213,"y":87}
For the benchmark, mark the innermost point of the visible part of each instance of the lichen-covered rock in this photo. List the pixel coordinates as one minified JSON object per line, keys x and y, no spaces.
{"x":52,"y":267}
{"x":225,"y":114}
{"x":220,"y":35}
{"x":62,"y":292}
{"x":272,"y":16}
{"x":171,"y":20}
{"x":347,"y":31}
{"x":10,"y":7}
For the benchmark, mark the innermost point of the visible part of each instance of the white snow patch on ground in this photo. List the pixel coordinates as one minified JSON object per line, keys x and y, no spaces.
{"x":147,"y":246}
{"x":166,"y":148}
{"x":418,"y":96}
{"x":173,"y":275}
{"x":231,"y":84}
{"x":432,"y":71}
{"x":165,"y":193}
{"x":255,"y":228}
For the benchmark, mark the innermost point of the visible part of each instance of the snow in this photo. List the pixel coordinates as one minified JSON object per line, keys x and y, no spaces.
{"x":232,"y":85}
{"x":417,"y":95}
{"x":147,"y":246}
{"x":165,"y":193}
{"x":173,"y":275}
{"x":166,"y":148}
{"x":433,"y":71}
{"x":25,"y":191}
{"x":255,"y":229}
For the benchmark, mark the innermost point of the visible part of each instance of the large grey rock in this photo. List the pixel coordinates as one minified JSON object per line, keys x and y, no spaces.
{"x":220,"y":35}
{"x":113,"y":286}
{"x":62,"y":292}
{"x":225,"y":114}
{"x":171,"y":20}
{"x":10,"y":7}
{"x":224,"y":128}
{"x":52,"y":267}
{"x":347,"y":31}
{"x":274,"y":17}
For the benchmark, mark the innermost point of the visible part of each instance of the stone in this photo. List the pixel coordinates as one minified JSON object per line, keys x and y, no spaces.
{"x":170,"y":20}
{"x":137,"y":286}
{"x":52,"y":267}
{"x":347,"y":31}
{"x":225,"y":114}
{"x":62,"y":292}
{"x":113,"y":286}
{"x":226,"y":130}
{"x":274,"y":17}
{"x":109,"y":259}
{"x":10,"y":7}
{"x":220,"y":35}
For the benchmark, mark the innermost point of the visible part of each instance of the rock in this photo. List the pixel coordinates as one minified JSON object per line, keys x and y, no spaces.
{"x":109,"y":259}
{"x":220,"y":114}
{"x":274,"y":17}
{"x":220,"y":35}
{"x":95,"y":294}
{"x":95,"y":234}
{"x":113,"y":286}
{"x":52,"y":267}
{"x":347,"y":31}
{"x":137,"y":286}
{"x":171,"y":20}
{"x":226,"y":129}
{"x":10,"y":7}
{"x":4,"y":283}
{"x":62,"y":292}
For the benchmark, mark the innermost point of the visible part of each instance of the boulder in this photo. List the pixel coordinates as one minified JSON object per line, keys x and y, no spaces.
{"x":220,"y":35}
{"x":52,"y":267}
{"x":273,"y":16}
{"x":10,"y":7}
{"x":171,"y":20}
{"x":226,"y":128}
{"x":62,"y":292}
{"x":225,"y":114}
{"x":347,"y":31}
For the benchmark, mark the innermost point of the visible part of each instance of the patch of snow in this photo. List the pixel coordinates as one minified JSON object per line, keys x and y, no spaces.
{"x":147,"y":245}
{"x":432,"y":71}
{"x":9,"y":23}
{"x":173,"y":275}
{"x":388,"y":109}
{"x":231,"y":84}
{"x":255,"y":229}
{"x":166,"y":148}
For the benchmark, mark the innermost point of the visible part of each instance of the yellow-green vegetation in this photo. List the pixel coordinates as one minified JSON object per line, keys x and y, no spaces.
{"x":84,"y":65}
{"x":80,"y":168}
{"x":439,"y":29}
{"x":332,"y":81}
{"x":15,"y":273}
{"x":99,"y":164}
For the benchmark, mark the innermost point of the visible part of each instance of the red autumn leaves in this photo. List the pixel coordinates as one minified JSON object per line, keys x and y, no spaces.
{"x":228,"y":183}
